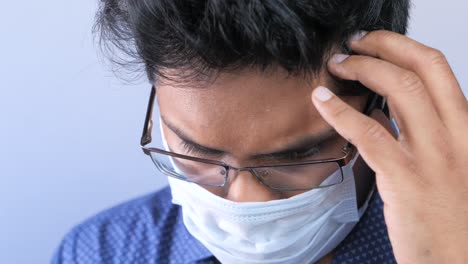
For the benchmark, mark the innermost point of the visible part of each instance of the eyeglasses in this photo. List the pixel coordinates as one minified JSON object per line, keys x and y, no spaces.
{"x":291,"y":176}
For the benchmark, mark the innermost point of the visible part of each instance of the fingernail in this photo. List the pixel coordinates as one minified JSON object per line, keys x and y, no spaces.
{"x":323,"y":94}
{"x":339,"y":58}
{"x":358,"y":36}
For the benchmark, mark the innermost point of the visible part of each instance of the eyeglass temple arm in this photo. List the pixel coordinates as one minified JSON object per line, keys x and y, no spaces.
{"x":148,"y":126}
{"x":376,"y":101}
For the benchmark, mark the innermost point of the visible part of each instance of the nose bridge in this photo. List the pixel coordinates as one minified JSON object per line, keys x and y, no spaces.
{"x":244,"y":186}
{"x":245,"y":171}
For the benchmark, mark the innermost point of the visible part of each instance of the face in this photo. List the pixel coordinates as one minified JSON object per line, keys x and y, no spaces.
{"x":247,"y":119}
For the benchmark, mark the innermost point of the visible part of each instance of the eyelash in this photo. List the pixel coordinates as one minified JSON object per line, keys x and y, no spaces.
{"x":194,"y":150}
{"x":302,"y":155}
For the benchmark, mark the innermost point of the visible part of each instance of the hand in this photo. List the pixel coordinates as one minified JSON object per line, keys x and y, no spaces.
{"x":422,"y":175}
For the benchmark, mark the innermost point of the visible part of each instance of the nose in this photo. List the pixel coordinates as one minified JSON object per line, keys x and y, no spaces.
{"x":243,"y":186}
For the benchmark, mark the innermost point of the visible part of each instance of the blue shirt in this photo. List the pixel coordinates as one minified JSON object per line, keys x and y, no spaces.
{"x":150,"y":230}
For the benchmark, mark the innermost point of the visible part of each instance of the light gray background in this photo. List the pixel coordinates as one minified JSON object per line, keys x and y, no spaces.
{"x":70,"y":130}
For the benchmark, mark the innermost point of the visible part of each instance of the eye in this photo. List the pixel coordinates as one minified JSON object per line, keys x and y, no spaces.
{"x":192,"y":149}
{"x":196,"y":150}
{"x":298,"y":155}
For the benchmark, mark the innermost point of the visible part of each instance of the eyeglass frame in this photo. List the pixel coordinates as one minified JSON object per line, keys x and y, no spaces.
{"x":349,"y":149}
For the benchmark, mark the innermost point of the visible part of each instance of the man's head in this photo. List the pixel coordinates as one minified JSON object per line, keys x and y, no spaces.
{"x":235,"y":77}
{"x":199,"y":38}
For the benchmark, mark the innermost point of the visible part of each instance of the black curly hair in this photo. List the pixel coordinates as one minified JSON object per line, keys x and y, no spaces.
{"x":200,"y":38}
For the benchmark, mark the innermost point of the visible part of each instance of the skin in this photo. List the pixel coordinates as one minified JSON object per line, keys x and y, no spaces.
{"x":422,"y":175}
{"x":255,"y":116}
{"x":258,"y":113}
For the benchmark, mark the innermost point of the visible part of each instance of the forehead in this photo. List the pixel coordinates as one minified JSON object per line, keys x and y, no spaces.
{"x":245,"y":112}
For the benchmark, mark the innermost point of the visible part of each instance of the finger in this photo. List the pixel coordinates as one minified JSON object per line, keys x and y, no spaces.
{"x":428,"y":63}
{"x":382,"y":119}
{"x":376,"y":145}
{"x":405,"y":93}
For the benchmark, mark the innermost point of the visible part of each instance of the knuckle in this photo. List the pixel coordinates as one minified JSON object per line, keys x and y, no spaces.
{"x":410,"y":82}
{"x":375,"y":131}
{"x":339,"y":111}
{"x":384,"y":35}
{"x":435,"y":57}
{"x":445,"y":147}
{"x":450,"y":158}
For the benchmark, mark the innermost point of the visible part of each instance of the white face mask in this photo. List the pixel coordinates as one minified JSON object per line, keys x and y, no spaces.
{"x":300,"y":229}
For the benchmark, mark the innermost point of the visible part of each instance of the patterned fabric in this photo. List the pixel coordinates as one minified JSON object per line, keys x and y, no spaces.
{"x":150,"y":230}
{"x":368,"y":243}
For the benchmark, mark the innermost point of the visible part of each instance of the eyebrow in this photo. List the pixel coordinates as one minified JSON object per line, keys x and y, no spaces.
{"x":299,"y":145}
